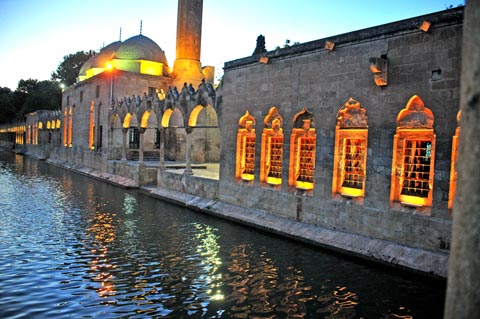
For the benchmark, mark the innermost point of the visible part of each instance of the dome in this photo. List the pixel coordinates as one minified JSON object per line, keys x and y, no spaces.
{"x":101,"y":59}
{"x":87,"y":65}
{"x":137,"y":54}
{"x":141,"y":48}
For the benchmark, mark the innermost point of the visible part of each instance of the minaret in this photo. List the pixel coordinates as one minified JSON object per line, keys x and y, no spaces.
{"x":187,"y":66}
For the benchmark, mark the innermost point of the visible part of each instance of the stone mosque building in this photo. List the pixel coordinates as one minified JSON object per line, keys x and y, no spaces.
{"x":348,"y":142}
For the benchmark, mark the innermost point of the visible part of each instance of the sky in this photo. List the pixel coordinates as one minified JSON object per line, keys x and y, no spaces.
{"x":35,"y":35}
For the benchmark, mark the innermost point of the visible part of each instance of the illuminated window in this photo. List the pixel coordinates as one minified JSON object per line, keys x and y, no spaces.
{"x":272,"y":148}
{"x":35,"y":134}
{"x":65,"y":126}
{"x":70,"y":122}
{"x":302,"y":152}
{"x":91,"y":133}
{"x":245,"y":168}
{"x":453,"y":168}
{"x":414,"y":156}
{"x":29,"y":129}
{"x":134,"y":138}
{"x":350,"y":159}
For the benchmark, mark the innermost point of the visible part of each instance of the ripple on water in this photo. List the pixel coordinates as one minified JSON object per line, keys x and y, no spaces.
{"x":74,"y":247}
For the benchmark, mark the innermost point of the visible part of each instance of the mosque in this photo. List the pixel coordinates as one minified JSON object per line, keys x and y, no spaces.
{"x":352,"y":138}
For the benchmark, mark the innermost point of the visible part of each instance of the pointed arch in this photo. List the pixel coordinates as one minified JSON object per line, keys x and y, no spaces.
{"x":206,"y":135}
{"x":413,"y":156}
{"x":350,"y":153}
{"x":91,"y":127}
{"x":302,"y":151}
{"x":127,"y":120}
{"x":246,"y":139}
{"x":272,"y":148}
{"x":453,"y":164}
{"x":65,"y":128}
{"x":70,"y":124}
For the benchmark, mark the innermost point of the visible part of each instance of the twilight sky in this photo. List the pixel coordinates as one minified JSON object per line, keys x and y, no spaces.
{"x":35,"y":35}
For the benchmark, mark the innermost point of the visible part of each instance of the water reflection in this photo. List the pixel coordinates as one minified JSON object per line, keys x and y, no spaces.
{"x":74,"y":247}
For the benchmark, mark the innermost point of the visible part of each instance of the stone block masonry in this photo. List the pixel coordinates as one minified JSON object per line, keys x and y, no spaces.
{"x":309,"y":76}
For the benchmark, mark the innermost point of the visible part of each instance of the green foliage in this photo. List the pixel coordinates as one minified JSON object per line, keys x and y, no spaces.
{"x":69,"y":68}
{"x":31,"y":95}
{"x":7,"y":106}
{"x":45,"y":95}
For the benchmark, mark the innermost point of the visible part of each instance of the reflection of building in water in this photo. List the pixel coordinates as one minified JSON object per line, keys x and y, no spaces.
{"x":255,"y":279}
{"x":102,"y":232}
{"x":386,"y":181}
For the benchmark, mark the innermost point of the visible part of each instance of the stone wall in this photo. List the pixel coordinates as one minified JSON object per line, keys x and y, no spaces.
{"x":188,"y":184}
{"x":309,"y":76}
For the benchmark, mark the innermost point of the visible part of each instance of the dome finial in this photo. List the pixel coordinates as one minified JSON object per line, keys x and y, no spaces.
{"x":140,"y":27}
{"x":120,"y":37}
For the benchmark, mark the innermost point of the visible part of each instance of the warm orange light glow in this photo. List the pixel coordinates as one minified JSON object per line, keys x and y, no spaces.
{"x":70,"y":122}
{"x":144,"y":120}
{"x":272,"y":149}
{"x":91,"y":130}
{"x":65,"y":131}
{"x":453,"y":165}
{"x":126,"y":121}
{"x":302,"y":152}
{"x":413,"y":156}
{"x":166,"y":117}
{"x":192,"y":121}
{"x":109,"y":66}
{"x":350,"y":156}
{"x":246,"y":138}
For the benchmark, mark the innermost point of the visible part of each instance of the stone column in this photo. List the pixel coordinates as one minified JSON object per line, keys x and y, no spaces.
{"x":161,"y":151}
{"x":140,"y":146}
{"x":463,"y":289}
{"x":124,"y":144}
{"x":188,"y":168}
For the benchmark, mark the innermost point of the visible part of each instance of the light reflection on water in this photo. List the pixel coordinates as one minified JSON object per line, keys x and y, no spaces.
{"x":75,"y":247}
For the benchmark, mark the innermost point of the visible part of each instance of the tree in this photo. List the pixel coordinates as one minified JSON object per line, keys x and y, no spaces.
{"x":7,"y":107}
{"x":44,"y":95}
{"x":69,"y":68}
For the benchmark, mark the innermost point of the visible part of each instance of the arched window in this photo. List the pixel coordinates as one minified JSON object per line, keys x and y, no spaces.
{"x":302,"y":151}
{"x":29,"y":132}
{"x":413,"y":156}
{"x":272,"y":149}
{"x":453,"y":168}
{"x":65,"y":128}
{"x":245,"y":166}
{"x":70,"y":122}
{"x":91,"y":131}
{"x":35,"y":134}
{"x":350,"y":159}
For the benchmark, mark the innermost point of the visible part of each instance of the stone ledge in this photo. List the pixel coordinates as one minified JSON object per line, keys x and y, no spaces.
{"x":106,"y":177}
{"x":423,"y":261}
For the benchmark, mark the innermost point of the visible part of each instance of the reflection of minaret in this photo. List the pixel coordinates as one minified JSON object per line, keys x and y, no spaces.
{"x":187,"y":66}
